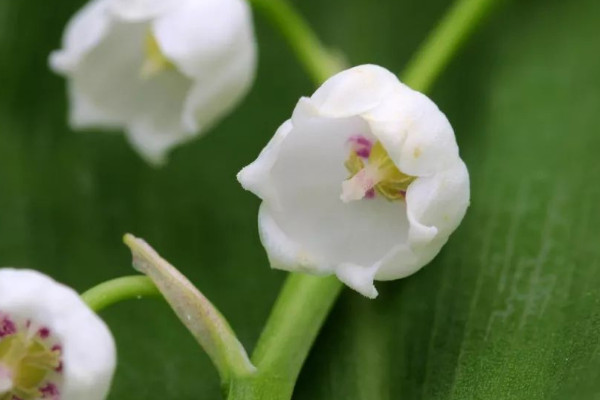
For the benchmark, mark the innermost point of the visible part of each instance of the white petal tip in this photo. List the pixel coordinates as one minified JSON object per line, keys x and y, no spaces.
{"x":156,"y":161}
{"x":153,"y":149}
{"x":58,"y":62}
{"x":244,"y":176}
{"x":358,"y":278}
{"x":304,"y":109}
{"x":251,"y":178}
{"x":191,"y":125}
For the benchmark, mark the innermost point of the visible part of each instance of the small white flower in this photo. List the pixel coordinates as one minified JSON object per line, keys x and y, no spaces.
{"x":52,"y":346}
{"x":163,"y":70}
{"x":364,"y":181}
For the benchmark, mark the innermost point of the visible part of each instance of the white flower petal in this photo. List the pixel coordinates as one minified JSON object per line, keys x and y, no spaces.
{"x":206,"y":36}
{"x":88,"y":349}
{"x":84,"y":113}
{"x":159,"y":126}
{"x":415,"y":133}
{"x":389,"y":121}
{"x":85,"y":30}
{"x":305,"y":110}
{"x":404,"y":260}
{"x":437,"y":203}
{"x":140,"y":10}
{"x":212,"y":97}
{"x":435,"y":207}
{"x":109,"y":76}
{"x":430,"y":147}
{"x":358,"y":278}
{"x":354,"y":91}
{"x":153,"y":137}
{"x":221,"y":58}
{"x":285,"y":253}
{"x":256,"y":177}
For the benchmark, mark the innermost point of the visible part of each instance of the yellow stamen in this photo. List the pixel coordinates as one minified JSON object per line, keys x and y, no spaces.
{"x":379,"y":173}
{"x":29,"y":362}
{"x":155,"y":61}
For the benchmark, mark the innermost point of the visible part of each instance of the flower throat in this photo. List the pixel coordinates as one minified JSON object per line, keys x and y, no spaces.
{"x":372,"y":172}
{"x":27,"y":363}
{"x":155,"y":61}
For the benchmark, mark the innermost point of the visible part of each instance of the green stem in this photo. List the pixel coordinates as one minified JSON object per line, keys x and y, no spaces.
{"x":300,"y":311}
{"x":444,"y":41}
{"x":116,"y":290}
{"x":319,"y":62}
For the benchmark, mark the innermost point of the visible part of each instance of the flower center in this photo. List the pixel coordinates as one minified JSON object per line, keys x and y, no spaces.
{"x":372,"y":171}
{"x":27,"y":362}
{"x":155,"y":62}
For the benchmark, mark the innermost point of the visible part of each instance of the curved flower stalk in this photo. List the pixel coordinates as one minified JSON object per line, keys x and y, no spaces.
{"x":364,"y":181}
{"x":162,"y":70}
{"x":52,"y":346}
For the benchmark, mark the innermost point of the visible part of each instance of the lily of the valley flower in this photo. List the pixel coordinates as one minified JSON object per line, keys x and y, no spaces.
{"x":162,"y":70}
{"x":364,"y":181}
{"x":52,"y":346}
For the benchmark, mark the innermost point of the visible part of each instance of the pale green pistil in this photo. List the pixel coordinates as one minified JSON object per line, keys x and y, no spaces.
{"x":378,"y":174}
{"x":25,"y":363}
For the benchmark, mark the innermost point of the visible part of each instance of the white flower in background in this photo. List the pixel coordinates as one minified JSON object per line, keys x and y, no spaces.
{"x":52,"y":346}
{"x":364,"y":181}
{"x":162,"y":70}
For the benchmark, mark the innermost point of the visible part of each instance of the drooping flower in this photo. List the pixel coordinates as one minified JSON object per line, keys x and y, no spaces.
{"x":364,"y":181}
{"x":52,"y":346}
{"x":162,"y":70}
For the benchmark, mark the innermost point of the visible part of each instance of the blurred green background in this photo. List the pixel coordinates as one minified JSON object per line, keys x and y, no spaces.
{"x":509,"y":310}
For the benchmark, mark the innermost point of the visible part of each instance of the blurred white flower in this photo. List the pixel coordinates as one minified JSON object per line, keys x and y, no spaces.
{"x":52,"y":346}
{"x":162,"y":70}
{"x":364,"y":181}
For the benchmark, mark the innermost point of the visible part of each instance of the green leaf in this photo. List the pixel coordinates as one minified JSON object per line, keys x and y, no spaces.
{"x":509,"y":310}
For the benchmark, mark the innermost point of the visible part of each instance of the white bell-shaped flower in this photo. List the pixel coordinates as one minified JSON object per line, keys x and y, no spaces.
{"x":52,"y":346}
{"x":364,"y":181}
{"x":162,"y":70}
